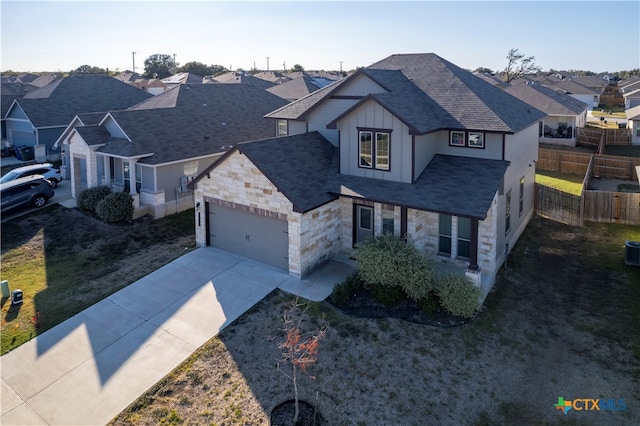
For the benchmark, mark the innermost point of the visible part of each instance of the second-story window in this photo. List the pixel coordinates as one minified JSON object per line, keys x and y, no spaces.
{"x":374,"y":149}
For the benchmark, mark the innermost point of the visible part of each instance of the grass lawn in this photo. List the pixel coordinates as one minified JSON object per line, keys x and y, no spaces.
{"x":64,"y":261}
{"x":615,"y":113}
{"x":566,"y":182}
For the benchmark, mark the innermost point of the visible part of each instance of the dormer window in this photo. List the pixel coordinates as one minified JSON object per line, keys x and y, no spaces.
{"x":374,"y":149}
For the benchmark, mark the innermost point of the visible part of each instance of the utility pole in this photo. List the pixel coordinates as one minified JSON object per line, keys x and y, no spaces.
{"x":134,"y":61}
{"x":267,"y":63}
{"x":284,"y":66}
{"x":174,"y":61}
{"x":340,"y":67}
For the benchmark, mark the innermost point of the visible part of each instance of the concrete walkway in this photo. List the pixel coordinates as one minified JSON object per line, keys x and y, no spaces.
{"x":89,"y":368}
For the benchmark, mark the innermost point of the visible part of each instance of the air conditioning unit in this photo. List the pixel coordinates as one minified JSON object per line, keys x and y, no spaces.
{"x":632,"y":253}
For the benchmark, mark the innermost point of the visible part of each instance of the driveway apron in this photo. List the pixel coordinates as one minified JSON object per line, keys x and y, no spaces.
{"x":89,"y":368}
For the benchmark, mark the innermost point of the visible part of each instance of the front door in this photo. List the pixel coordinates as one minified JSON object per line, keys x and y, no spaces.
{"x":364,"y":223}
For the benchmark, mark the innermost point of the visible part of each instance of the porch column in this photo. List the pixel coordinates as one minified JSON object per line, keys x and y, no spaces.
{"x":107,"y":172}
{"x":473,"y":255}
{"x":132,"y":177}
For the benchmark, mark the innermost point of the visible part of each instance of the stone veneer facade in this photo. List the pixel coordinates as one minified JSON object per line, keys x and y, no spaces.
{"x":319,"y":234}
{"x":313,"y":236}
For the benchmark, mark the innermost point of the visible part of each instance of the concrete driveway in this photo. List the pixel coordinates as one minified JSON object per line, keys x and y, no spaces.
{"x":89,"y":368}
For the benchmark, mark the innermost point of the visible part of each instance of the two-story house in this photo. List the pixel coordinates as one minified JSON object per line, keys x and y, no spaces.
{"x":412,"y":145}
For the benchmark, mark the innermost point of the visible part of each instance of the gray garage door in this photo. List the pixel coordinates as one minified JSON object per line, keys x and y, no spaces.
{"x":258,"y":237}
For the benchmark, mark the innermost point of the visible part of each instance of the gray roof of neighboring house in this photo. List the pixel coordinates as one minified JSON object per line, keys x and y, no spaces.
{"x":568,"y":86}
{"x":205,"y":119}
{"x":59,"y":102}
{"x":11,"y":91}
{"x":272,"y":76}
{"x":460,"y":186}
{"x":633,"y":113}
{"x":462,"y":100}
{"x":546,"y":99}
{"x":298,"y":109}
{"x":294,"y":89}
{"x":632,"y":95}
{"x":307,"y":157}
{"x":183,"y":78}
{"x":237,"y":77}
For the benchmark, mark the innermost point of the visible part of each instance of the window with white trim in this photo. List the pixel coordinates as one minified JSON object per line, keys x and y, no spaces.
{"x":374,"y":148}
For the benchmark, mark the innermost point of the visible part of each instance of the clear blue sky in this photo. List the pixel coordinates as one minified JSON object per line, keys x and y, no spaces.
{"x":61,"y":36}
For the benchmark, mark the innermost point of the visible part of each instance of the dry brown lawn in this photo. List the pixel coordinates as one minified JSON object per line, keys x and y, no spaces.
{"x":562,"y":321}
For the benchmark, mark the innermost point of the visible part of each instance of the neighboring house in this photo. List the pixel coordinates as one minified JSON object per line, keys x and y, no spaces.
{"x":10,"y":92}
{"x":633,"y":123}
{"x":182,"y":78}
{"x":631,"y":99}
{"x":40,"y":117}
{"x":574,"y":89}
{"x":242,"y":78}
{"x":293,"y":90}
{"x":272,"y":76}
{"x":412,"y":145}
{"x":134,"y":79}
{"x":155,"y":148}
{"x":564,"y":113}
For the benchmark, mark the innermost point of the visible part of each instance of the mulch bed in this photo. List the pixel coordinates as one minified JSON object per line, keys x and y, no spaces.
{"x":363,"y":305}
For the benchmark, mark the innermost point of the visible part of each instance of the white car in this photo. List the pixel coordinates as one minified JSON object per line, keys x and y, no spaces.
{"x":45,"y":169}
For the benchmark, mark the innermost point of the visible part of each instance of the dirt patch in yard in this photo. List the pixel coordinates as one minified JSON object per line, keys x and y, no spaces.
{"x":561,"y":322}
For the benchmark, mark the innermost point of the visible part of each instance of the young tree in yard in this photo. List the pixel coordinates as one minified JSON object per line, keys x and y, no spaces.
{"x":298,"y":348}
{"x":159,"y":66}
{"x":518,"y":64}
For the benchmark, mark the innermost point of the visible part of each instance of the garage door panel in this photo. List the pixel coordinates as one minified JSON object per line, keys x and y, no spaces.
{"x":258,"y":237}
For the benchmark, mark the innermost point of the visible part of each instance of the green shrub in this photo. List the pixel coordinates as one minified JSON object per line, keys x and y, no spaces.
{"x":390,"y":261}
{"x":89,"y":198}
{"x":344,"y":291}
{"x":430,"y":304}
{"x":388,"y":296}
{"x":116,"y":207}
{"x":458,"y":295}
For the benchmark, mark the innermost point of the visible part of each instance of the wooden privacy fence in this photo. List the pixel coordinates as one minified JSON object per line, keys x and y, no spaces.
{"x":611,"y":207}
{"x":577,"y":163}
{"x":558,"y":205}
{"x":557,"y":160}
{"x":590,"y":206}
{"x":599,"y":138}
{"x":615,"y":167}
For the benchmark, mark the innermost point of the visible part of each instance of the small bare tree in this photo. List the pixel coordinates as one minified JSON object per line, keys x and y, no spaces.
{"x":518,"y":65}
{"x":298,"y":348}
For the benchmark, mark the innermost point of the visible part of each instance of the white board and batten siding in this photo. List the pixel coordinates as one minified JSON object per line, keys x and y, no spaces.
{"x":373,"y":116}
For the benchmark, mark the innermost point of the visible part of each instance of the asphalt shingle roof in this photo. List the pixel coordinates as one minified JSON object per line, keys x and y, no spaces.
{"x":59,"y":102}
{"x":439,"y":91}
{"x":546,"y":99}
{"x":294,"y":89}
{"x":459,"y":186}
{"x":474,"y":103}
{"x":198,"y":120}
{"x":297,"y":165}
